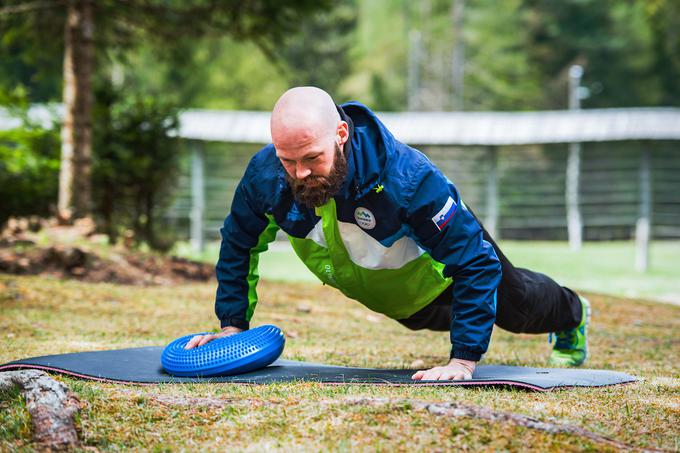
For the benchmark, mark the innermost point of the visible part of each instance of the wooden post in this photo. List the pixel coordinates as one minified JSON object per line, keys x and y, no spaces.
{"x":491,"y":221}
{"x":644,"y":222}
{"x":574,"y":222}
{"x":197,"y":195}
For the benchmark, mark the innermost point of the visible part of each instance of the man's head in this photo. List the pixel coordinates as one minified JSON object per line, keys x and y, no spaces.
{"x":309,"y":137}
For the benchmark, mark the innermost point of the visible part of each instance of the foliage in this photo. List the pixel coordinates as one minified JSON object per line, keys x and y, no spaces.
{"x":379,"y":55}
{"x":318,"y":54}
{"x":32,"y":60}
{"x":498,"y":73}
{"x":517,"y":53}
{"x":210,"y":73}
{"x":663,"y":18}
{"x":226,"y":74}
{"x":136,"y":157}
{"x":599,"y":36}
{"x":135,"y":163}
{"x":29,"y":162}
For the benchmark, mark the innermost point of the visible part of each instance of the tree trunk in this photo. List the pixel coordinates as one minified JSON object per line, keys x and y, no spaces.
{"x":149,"y":225}
{"x":75,"y":193}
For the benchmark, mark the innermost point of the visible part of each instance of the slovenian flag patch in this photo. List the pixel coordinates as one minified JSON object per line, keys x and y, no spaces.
{"x":444,"y":215}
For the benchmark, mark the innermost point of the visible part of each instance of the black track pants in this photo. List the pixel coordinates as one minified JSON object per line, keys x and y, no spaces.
{"x":527,"y":302}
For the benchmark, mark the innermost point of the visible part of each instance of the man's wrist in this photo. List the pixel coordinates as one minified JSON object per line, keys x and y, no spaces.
{"x":234,"y":322}
{"x":232,"y":329}
{"x":464,"y":354}
{"x":467,"y":363}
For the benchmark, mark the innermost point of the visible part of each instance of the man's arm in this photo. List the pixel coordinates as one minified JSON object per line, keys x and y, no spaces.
{"x":444,"y":227}
{"x":245,"y":234}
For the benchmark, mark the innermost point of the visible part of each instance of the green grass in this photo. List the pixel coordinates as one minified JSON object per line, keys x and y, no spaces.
{"x":600,"y":267}
{"x":604,"y":267}
{"x":40,"y":316}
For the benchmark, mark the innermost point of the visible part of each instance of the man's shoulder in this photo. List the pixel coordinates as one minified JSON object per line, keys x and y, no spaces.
{"x":405,"y":169}
{"x":264,"y":158}
{"x":263,"y":173}
{"x":264,"y":165}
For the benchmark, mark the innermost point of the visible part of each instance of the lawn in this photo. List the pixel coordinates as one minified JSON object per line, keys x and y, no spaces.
{"x":47,"y":316}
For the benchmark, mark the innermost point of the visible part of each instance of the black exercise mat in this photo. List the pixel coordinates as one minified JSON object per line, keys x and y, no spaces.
{"x":143,"y":365}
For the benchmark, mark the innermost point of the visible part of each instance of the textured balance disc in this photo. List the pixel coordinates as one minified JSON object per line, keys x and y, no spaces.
{"x":226,"y":356}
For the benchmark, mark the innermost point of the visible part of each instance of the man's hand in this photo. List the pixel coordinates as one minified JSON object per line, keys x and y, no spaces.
{"x":456,"y":370}
{"x":200,"y":340}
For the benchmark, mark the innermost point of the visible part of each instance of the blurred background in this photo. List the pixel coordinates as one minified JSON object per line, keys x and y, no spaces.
{"x":557,"y":120}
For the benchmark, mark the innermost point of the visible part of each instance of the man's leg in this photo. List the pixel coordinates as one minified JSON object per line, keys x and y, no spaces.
{"x":528,"y":302}
{"x":434,"y":316}
{"x":531,"y":302}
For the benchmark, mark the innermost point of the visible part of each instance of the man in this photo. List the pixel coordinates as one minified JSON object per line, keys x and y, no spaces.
{"x":377,"y":220}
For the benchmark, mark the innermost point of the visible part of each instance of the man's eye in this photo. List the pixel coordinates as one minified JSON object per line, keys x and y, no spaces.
{"x":309,"y":159}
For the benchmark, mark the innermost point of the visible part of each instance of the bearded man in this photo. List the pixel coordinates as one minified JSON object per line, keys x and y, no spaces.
{"x":377,"y":220}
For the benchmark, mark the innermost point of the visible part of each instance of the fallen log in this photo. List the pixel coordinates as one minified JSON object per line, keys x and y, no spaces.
{"x":50,"y":403}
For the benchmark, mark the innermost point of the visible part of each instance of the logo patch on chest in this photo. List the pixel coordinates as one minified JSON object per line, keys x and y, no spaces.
{"x":364,"y":218}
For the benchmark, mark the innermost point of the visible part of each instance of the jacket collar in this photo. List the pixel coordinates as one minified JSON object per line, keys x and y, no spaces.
{"x":348,"y":152}
{"x":370,"y":144}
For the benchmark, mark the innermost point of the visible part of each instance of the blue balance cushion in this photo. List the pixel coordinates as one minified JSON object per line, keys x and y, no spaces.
{"x":225,"y":356}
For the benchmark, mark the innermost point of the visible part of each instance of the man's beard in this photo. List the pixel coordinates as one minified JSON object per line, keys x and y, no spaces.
{"x":314,"y":191}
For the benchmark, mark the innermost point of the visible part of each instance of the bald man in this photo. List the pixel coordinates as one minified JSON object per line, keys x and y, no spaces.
{"x":377,"y":220}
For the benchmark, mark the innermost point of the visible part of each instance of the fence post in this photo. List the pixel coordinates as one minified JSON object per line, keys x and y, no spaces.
{"x":574,"y":220}
{"x":644,"y":224}
{"x":197,"y":195}
{"x":491,"y":221}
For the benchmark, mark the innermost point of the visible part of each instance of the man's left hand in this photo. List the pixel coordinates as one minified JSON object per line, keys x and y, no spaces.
{"x":456,"y":370}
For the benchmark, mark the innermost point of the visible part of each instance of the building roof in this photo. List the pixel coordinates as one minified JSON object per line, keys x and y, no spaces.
{"x":466,"y":128}
{"x":440,"y":128}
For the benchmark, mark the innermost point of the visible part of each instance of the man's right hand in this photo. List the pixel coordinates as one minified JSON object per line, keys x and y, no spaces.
{"x":200,"y":340}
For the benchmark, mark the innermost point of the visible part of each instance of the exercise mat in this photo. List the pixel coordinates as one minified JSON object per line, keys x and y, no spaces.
{"x":143,"y":366}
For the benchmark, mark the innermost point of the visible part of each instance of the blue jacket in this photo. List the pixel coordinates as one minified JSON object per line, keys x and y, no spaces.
{"x":394,"y":238}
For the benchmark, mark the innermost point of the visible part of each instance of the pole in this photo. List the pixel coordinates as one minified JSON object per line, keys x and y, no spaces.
{"x":197,"y":196}
{"x":644,"y":223}
{"x":491,"y":221}
{"x":574,"y":220}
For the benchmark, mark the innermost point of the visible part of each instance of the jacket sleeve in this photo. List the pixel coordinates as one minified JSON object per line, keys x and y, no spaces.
{"x":246,"y":232}
{"x":444,"y":227}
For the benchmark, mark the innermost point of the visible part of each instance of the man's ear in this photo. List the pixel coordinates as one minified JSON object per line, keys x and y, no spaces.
{"x":342,"y":134}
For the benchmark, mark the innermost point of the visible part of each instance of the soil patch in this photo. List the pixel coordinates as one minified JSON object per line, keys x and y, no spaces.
{"x":78,"y":252}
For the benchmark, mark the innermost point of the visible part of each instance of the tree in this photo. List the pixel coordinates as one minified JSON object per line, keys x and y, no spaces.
{"x":663,"y":17}
{"x":609,"y":38}
{"x":91,"y":28}
{"x":318,"y":54}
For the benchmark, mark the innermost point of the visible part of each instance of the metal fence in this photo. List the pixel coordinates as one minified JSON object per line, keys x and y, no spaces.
{"x":530,"y":187}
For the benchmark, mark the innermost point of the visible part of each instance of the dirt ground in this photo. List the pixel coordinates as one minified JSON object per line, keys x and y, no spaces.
{"x":33,"y":246}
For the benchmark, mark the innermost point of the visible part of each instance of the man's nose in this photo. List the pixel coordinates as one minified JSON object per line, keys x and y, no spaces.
{"x":301,"y":172}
